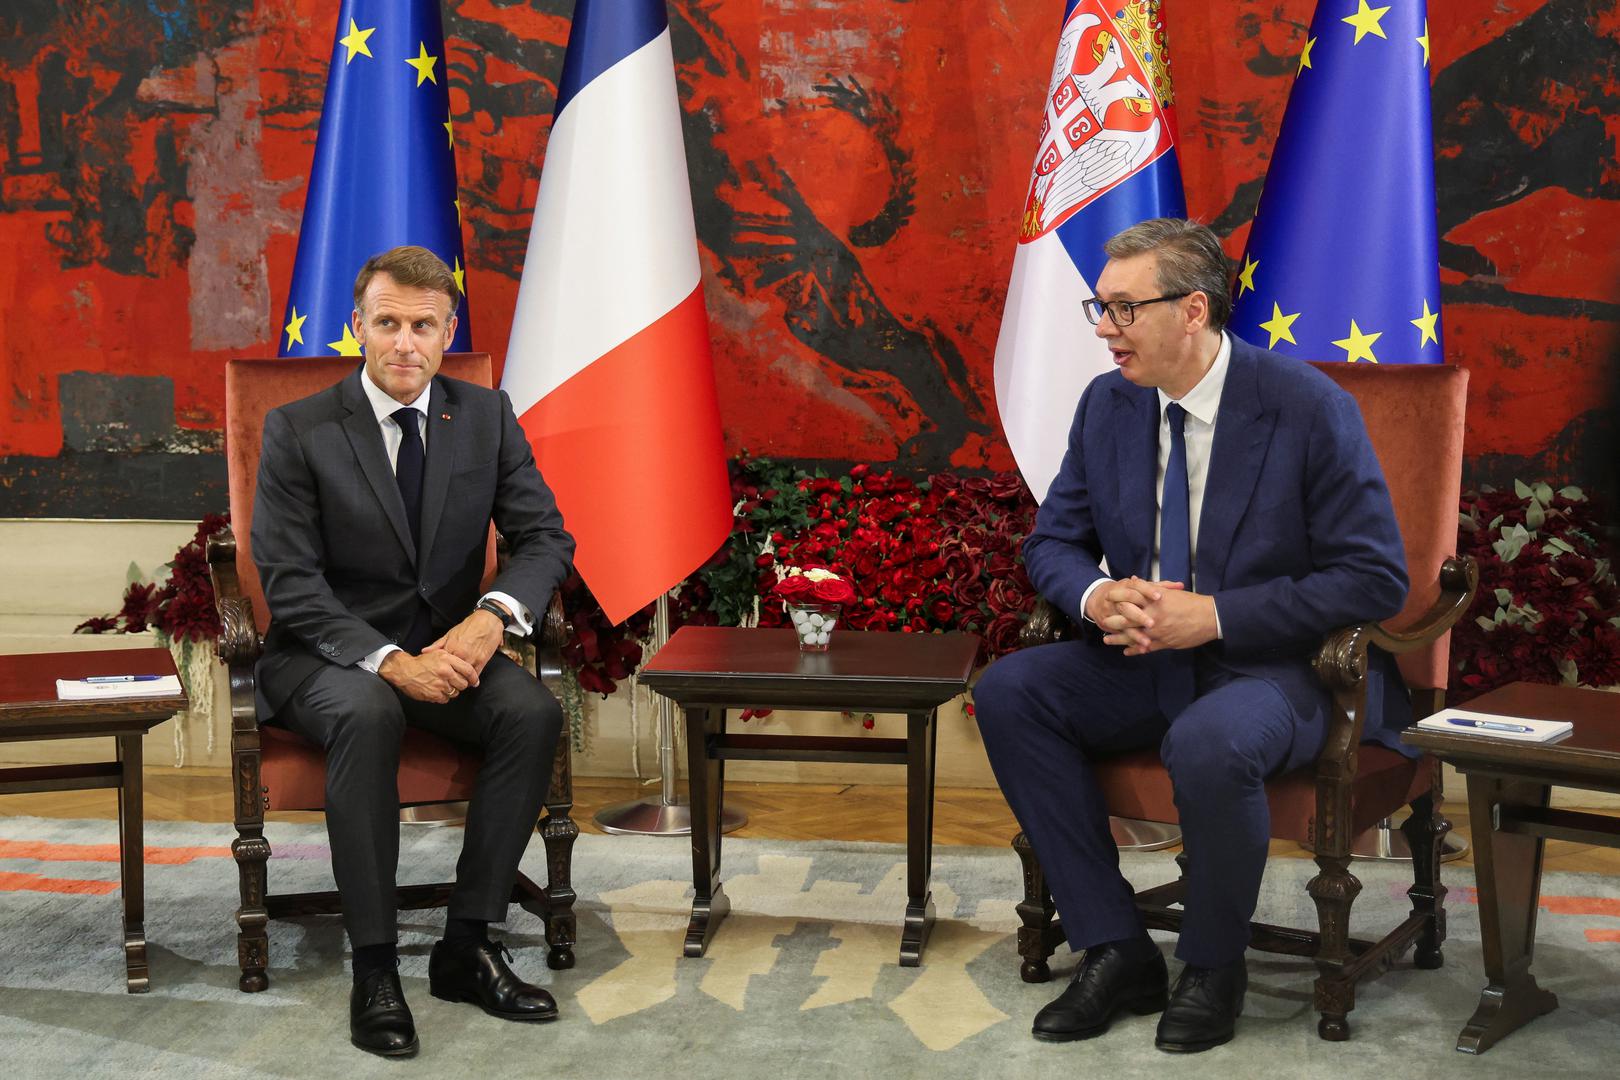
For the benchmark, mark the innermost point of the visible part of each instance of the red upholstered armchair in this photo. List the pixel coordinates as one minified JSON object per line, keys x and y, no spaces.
{"x":1414,"y":415}
{"x":274,"y":769}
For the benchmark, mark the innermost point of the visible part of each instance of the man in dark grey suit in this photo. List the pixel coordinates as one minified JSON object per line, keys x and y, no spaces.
{"x":370,"y":527}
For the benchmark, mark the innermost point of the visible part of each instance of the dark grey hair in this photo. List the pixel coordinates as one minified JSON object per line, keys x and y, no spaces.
{"x":1190,"y":260}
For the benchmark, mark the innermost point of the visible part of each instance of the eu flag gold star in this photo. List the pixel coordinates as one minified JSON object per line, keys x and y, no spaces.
{"x":295,"y":328}
{"x":1246,"y":275}
{"x":1365,"y":20}
{"x":423,"y":63}
{"x":449,"y":134}
{"x":1305,"y":56}
{"x":1280,"y":326}
{"x":1358,"y":346}
{"x":459,"y":274}
{"x":355,"y":42}
{"x":347,"y":345}
{"x":1426,"y":326}
{"x":1424,"y":41}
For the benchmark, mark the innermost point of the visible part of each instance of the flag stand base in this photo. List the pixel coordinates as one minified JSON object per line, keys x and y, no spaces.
{"x":655,"y":817}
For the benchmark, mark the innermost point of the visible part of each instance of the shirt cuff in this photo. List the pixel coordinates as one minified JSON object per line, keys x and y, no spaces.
{"x":1085,"y":597}
{"x":520,"y":611}
{"x":1216,"y":605}
{"x":372,"y":662}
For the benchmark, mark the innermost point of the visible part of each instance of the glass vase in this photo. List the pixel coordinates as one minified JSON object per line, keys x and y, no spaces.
{"x":813,"y":623}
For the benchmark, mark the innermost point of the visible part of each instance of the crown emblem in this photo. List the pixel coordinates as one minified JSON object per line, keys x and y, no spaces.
{"x":1143,"y":28}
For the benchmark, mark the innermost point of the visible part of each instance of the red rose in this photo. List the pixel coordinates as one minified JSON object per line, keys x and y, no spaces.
{"x":794,"y":589}
{"x":1006,"y":596}
{"x":833,"y":591}
{"x":969,"y":591}
{"x":1001,"y":636}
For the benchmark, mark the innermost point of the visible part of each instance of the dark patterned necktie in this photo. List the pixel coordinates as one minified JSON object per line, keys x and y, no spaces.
{"x":1175,"y":682}
{"x":408,"y":471}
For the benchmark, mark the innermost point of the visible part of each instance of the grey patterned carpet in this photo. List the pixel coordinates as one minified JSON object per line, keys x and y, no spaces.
{"x":801,"y":980}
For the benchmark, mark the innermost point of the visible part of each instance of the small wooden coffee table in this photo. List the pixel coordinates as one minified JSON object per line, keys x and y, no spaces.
{"x":1509,"y":788}
{"x":30,"y":709}
{"x":708,"y":669}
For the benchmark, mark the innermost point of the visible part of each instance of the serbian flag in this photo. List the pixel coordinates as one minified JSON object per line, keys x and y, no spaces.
{"x":1106,"y":160}
{"x":608,"y":366}
{"x":384,"y":171}
{"x":1343,"y":261}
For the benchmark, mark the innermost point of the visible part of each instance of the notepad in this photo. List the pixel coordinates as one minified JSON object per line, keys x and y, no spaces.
{"x":1494,"y":726}
{"x":79,"y":690}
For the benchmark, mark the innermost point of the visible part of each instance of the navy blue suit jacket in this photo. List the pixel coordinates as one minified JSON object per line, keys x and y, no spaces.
{"x":1297,"y":535}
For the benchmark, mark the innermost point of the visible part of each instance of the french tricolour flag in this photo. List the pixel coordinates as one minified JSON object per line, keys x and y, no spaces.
{"x":1106,"y":161}
{"x":608,"y":366}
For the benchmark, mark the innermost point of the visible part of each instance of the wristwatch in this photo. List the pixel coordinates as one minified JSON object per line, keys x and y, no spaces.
{"x":508,"y":621}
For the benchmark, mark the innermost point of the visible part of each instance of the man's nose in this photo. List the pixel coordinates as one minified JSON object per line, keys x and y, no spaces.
{"x":1106,"y":327}
{"x":405,"y":341}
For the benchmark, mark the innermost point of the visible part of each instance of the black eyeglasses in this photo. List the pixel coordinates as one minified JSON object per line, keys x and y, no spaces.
{"x":1123,"y":312}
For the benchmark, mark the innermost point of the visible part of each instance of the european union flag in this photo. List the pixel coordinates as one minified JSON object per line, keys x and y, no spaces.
{"x":384,"y":173}
{"x":1343,"y":259}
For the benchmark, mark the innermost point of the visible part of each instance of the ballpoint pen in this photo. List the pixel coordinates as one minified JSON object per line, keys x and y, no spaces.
{"x":1491,"y":725}
{"x":120,"y":678}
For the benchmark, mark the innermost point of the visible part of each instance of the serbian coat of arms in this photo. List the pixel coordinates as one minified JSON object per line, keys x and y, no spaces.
{"x":1107,"y":109}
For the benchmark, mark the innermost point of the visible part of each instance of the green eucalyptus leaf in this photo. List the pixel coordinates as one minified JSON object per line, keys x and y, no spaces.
{"x":1572,"y":493}
{"x":1466,"y":523}
{"x":1568,"y":673}
{"x":1535,"y":515}
{"x":1496,"y":523}
{"x":1504,"y":597}
{"x":1486,"y":624}
{"x":1543,"y":492}
{"x":133,"y":574}
{"x":1521,"y":489}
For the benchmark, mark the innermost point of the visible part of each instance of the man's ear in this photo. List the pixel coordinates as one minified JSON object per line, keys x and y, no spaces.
{"x":1197,"y":311}
{"x":358,"y":326}
{"x":450,"y":330}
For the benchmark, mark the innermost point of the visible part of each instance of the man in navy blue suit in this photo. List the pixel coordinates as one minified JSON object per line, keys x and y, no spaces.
{"x":1242,"y":515}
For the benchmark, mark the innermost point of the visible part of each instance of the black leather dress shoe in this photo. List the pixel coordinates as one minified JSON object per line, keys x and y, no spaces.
{"x":478,"y":973}
{"x":379,"y":1020}
{"x":1204,"y":1008}
{"x":1107,"y":981}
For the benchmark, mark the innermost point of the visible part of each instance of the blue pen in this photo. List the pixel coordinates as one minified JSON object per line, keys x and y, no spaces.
{"x":1491,"y":725}
{"x":121,"y":678}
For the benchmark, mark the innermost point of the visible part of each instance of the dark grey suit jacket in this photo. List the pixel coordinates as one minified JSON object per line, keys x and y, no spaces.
{"x":341,"y":575}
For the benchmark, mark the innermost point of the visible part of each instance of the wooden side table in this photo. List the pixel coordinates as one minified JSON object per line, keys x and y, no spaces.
{"x":708,"y":669}
{"x":30,"y":709}
{"x":1509,"y":788}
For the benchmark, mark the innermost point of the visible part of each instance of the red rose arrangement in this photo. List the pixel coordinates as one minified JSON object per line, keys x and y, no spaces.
{"x":813,"y":585}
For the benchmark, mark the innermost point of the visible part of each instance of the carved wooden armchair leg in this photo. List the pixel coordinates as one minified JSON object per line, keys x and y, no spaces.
{"x":1037,"y":938}
{"x":1426,"y":831}
{"x":558,"y":831}
{"x":1334,"y":889}
{"x":251,"y":851}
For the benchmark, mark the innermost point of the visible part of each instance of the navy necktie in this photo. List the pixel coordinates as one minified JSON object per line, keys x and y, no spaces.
{"x":408,"y":470}
{"x":1175,"y":683}
{"x":1175,"y":535}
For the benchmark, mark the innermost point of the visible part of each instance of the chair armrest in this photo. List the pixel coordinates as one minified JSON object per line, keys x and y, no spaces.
{"x":239,"y":643}
{"x":1045,"y":625}
{"x":1341,"y":662}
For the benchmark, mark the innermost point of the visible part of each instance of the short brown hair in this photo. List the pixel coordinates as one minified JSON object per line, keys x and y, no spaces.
{"x":1190,"y":260}
{"x":410,"y":266}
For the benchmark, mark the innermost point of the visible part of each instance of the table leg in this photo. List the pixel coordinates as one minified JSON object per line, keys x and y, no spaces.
{"x":1507,"y":867}
{"x":921,"y":731}
{"x":706,"y":790}
{"x":132,"y":861}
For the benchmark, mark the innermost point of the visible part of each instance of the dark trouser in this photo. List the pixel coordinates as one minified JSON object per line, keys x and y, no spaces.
{"x":360,"y":720}
{"x":1047,"y":712}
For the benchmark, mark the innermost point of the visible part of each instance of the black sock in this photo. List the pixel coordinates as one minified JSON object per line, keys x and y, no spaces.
{"x":369,"y":959}
{"x":461,"y":933}
{"x":1140,"y":947}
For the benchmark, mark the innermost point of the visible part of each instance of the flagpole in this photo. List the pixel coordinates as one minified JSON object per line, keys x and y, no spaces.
{"x":670,"y":814}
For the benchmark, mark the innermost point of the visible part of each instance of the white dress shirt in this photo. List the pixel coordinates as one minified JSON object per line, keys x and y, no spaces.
{"x":1203,"y":403}
{"x":384,"y":407}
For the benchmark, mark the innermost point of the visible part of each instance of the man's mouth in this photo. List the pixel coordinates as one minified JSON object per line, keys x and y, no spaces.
{"x":1121,"y":355}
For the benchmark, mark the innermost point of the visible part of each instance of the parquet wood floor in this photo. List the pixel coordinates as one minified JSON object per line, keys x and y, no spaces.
{"x":868,"y":812}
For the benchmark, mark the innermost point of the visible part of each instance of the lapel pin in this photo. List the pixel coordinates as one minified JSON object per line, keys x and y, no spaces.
{"x":444,"y":416}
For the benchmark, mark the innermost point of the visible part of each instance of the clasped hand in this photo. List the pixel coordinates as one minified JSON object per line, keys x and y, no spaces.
{"x":1149,"y":616}
{"x":449,"y":665}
